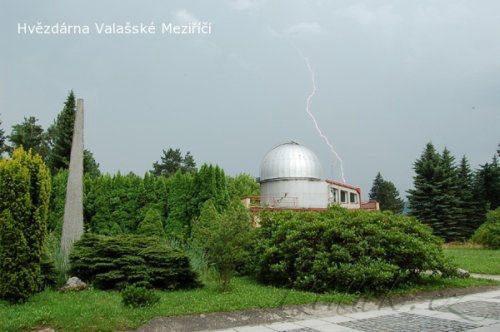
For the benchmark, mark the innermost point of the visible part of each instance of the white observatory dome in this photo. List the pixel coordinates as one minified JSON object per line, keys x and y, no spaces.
{"x":290,"y":160}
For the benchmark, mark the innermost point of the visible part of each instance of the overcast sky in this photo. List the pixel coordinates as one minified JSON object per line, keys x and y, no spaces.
{"x":391,"y":76}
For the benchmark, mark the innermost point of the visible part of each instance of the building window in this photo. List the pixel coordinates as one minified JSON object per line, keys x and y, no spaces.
{"x":335,"y":195}
{"x":353,"y":198}
{"x":343,"y":196}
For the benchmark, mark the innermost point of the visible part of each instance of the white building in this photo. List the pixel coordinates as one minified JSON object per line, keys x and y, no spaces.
{"x":291,"y":177}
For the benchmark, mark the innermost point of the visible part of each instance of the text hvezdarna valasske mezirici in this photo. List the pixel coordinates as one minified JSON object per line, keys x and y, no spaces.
{"x":39,"y":28}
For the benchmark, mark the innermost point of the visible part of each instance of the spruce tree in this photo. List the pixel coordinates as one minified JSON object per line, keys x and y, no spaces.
{"x":465,"y":194}
{"x":61,"y":135}
{"x":423,"y":197}
{"x":448,"y":205}
{"x":386,"y":194}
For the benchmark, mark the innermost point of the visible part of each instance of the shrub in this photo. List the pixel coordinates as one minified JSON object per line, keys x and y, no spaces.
{"x":344,"y":250}
{"x":24,"y":200}
{"x":118,"y":261}
{"x":136,"y":297}
{"x":223,"y":238}
{"x":488,"y":234}
{"x":152,"y":224}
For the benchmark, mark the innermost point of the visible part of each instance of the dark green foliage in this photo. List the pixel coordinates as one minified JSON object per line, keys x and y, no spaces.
{"x":30,"y":135}
{"x":224,"y":238}
{"x":137,"y":297}
{"x":209,"y":183}
{"x":242,"y":185}
{"x":17,"y":280}
{"x":60,"y":138}
{"x":386,"y":194}
{"x":90,"y":166}
{"x":57,"y":201}
{"x":346,"y":250}
{"x":152,"y":224}
{"x":24,"y":201}
{"x":471,"y":214}
{"x":179,"y":195}
{"x":61,"y":135}
{"x":435,"y":198}
{"x":114,"y":262}
{"x":489,"y":233}
{"x":488,"y":185}
{"x":3,"y":142}
{"x":117,"y":204}
{"x":172,"y":161}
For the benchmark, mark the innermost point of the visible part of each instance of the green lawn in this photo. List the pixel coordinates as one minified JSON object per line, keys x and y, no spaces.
{"x":102,"y":311}
{"x":476,"y":260}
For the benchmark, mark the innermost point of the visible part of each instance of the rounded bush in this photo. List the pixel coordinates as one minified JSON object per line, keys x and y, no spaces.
{"x":346,"y":250}
{"x":114,"y":262}
{"x":488,"y":234}
{"x":136,"y":297}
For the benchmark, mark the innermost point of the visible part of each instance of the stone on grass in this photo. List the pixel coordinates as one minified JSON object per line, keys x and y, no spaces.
{"x":461,"y":273}
{"x":73,"y":284}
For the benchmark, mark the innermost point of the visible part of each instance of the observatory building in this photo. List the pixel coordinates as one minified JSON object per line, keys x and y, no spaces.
{"x":291,"y":177}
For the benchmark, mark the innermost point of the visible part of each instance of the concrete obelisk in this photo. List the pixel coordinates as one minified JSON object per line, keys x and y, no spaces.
{"x":73,"y":208}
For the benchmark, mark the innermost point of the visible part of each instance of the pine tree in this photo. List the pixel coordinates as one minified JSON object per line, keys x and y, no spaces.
{"x":188,"y":164}
{"x":29,"y":135}
{"x":172,"y":161}
{"x":90,"y":166}
{"x":61,"y":135}
{"x":386,"y":194}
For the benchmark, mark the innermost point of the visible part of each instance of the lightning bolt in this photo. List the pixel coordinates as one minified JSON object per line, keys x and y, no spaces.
{"x":308,"y":110}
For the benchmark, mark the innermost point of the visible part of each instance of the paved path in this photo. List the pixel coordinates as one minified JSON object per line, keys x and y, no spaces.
{"x":486,"y":276}
{"x":475,"y":312}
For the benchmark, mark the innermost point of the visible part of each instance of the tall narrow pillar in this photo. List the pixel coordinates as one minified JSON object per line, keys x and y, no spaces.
{"x":73,"y":208}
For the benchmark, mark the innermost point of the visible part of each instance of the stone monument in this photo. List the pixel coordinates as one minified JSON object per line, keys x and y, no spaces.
{"x":73,"y":208}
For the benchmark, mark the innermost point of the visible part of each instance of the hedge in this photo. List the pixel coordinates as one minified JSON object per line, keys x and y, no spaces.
{"x":346,"y":250}
{"x":114,"y":262}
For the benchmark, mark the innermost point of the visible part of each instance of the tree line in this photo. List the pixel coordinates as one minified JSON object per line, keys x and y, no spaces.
{"x":448,"y":196}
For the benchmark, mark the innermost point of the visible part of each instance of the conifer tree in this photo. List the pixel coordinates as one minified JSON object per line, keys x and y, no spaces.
{"x":60,"y":139}
{"x":448,"y":205}
{"x":465,"y":194}
{"x":17,"y":281}
{"x":423,"y":197}
{"x":152,"y":224}
{"x":386,"y":194}
{"x":61,"y":135}
{"x":24,"y":192}
{"x":31,"y":136}
{"x":170,"y":163}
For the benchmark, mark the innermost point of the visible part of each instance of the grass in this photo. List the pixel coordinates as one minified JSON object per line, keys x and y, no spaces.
{"x":95,"y":310}
{"x":475,"y":260}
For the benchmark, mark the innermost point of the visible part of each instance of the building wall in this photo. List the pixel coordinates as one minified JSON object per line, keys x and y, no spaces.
{"x":294,"y":193}
{"x":337,"y":200}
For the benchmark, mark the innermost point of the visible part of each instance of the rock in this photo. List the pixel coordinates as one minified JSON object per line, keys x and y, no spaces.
{"x":461,"y":273}
{"x":431,"y":273}
{"x":73,"y":284}
{"x":47,"y":329}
